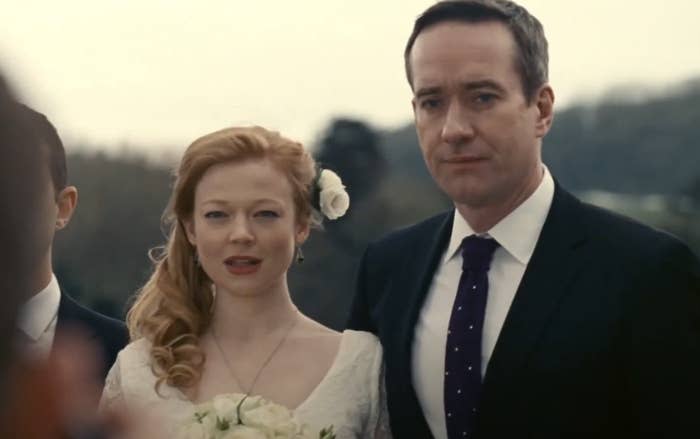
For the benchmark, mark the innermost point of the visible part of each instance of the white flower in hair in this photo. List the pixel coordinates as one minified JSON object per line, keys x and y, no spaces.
{"x":333,"y":199}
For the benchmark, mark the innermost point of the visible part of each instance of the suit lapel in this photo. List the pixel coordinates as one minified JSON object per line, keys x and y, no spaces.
{"x":67,"y":312}
{"x":408,"y":293}
{"x":71,"y":315}
{"x":420,"y":269}
{"x":559,"y":255}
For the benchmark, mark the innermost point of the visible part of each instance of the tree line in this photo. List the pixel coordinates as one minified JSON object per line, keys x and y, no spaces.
{"x":629,"y":147}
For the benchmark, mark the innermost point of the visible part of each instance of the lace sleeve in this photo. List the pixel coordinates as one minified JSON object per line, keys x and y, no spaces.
{"x":380,"y":415}
{"x":383,"y":429}
{"x":112,"y":394}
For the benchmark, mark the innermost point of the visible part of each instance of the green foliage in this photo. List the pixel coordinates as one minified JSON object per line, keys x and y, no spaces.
{"x":327,"y":433}
{"x":634,"y":148}
{"x":101,"y":257}
{"x":628,"y":147}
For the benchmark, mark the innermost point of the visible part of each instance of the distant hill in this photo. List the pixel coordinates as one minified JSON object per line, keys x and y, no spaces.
{"x":629,"y":147}
{"x":623,"y":145}
{"x":638,"y":148}
{"x":101,"y":257}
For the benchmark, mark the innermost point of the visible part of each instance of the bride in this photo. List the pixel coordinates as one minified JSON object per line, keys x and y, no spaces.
{"x":216,"y":316}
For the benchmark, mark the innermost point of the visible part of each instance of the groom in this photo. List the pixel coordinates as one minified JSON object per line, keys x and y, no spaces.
{"x":523,"y":312}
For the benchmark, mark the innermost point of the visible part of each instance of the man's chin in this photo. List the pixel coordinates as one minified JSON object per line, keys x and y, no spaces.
{"x":472,"y":203}
{"x":471,"y":196}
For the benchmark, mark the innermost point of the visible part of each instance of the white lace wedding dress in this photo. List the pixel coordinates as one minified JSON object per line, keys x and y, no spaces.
{"x":350,"y":397}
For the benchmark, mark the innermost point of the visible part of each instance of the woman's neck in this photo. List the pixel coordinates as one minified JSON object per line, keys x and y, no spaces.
{"x":244,"y":318}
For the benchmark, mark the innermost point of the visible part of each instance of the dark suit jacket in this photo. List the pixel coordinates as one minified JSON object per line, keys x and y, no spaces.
{"x":110,"y":335}
{"x":602,"y":338}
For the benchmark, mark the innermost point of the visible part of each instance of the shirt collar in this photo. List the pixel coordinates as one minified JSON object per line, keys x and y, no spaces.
{"x":37,"y":313}
{"x":518,"y":231}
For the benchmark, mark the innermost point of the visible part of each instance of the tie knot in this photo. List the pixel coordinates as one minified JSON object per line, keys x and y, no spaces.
{"x":477,"y":253}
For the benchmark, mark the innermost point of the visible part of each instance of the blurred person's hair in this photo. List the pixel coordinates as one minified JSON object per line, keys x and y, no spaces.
{"x":531,"y":54}
{"x":174,"y":307}
{"x":49,"y":139}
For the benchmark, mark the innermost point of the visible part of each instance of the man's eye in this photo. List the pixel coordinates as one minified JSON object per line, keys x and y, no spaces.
{"x":430,"y":103}
{"x":214,"y":214}
{"x":485,"y":98}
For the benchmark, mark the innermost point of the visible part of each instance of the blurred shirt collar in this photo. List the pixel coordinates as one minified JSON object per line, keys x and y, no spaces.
{"x":37,"y":314}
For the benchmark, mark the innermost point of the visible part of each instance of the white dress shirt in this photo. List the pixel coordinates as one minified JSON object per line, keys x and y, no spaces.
{"x":37,"y":320}
{"x":517,"y":235}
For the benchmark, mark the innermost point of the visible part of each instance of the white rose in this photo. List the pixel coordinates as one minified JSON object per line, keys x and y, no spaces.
{"x":245,"y":432}
{"x":278,"y":419}
{"x":251,"y":402}
{"x":329,"y":178}
{"x":225,"y":407}
{"x":195,"y":430}
{"x":333,"y":199}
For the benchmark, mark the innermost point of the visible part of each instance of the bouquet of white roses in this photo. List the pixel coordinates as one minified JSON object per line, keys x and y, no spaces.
{"x":237,"y":416}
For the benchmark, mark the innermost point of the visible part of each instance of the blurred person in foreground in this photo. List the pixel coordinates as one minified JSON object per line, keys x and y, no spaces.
{"x":218,"y":344}
{"x":48,"y":309}
{"x":522,"y":312}
{"x":45,"y":396}
{"x":19,"y":193}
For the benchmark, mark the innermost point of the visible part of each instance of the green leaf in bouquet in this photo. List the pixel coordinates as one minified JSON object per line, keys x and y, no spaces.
{"x":222,"y":424}
{"x":326,"y":433}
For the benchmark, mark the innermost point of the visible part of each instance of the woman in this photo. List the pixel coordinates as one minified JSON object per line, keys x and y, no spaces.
{"x":216,"y":316}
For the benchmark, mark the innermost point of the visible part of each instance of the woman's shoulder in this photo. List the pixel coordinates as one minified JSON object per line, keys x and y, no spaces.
{"x":360,"y":354}
{"x":133,"y":362}
{"x":361,"y":343}
{"x":137,"y":378}
{"x":137,"y":352}
{"x":138,"y":387}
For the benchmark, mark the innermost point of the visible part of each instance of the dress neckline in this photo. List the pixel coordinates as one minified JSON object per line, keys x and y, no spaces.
{"x":329,"y":373}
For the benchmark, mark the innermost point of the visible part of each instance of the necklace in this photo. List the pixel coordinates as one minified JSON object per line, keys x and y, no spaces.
{"x":262,"y":367}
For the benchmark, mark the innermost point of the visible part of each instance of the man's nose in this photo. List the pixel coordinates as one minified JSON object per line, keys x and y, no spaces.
{"x":457,"y":128}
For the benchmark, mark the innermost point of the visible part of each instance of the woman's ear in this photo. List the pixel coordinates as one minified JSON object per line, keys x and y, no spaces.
{"x":302,"y":232}
{"x":188,"y":226}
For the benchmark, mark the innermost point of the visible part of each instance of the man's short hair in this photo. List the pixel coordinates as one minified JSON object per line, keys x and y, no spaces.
{"x":49,"y":139}
{"x":531,"y":58}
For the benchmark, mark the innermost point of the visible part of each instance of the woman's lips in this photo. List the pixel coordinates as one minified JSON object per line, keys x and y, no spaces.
{"x":241,"y":265}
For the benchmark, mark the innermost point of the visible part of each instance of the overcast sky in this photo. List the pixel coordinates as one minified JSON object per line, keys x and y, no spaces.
{"x":157,"y":74}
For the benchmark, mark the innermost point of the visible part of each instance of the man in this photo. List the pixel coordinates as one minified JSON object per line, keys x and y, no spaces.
{"x":16,"y":232}
{"x":53,"y":397}
{"x":524,"y":312}
{"x":50,"y":310}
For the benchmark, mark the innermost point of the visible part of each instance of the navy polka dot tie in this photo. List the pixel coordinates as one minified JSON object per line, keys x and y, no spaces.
{"x":463,"y":353}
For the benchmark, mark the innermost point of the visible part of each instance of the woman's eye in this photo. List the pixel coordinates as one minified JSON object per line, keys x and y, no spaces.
{"x":213,"y":214}
{"x":267,"y":214}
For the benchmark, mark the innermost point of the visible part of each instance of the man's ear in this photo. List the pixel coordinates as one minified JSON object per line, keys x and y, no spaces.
{"x":66,"y":201}
{"x":544,"y":100}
